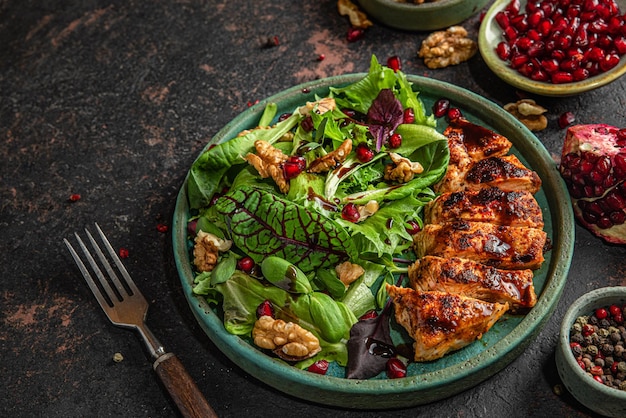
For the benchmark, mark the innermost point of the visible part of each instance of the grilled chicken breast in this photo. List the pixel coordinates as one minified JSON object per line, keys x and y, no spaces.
{"x":506,"y":247}
{"x":494,"y":205}
{"x":442,"y":322}
{"x":474,"y":141}
{"x":469,"y":278}
{"x":506,"y":172}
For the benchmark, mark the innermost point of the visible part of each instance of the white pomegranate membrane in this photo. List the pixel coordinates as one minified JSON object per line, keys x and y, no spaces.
{"x":562,"y":41}
{"x":593,"y":165}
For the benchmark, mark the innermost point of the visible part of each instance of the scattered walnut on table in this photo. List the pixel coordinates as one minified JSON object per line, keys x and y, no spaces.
{"x":206,"y":250}
{"x":287,"y":339}
{"x":402,"y":170}
{"x":450,"y":47}
{"x":268,"y":162}
{"x":529,"y":113}
{"x":349,"y":272}
{"x":332,"y":159}
{"x":358,"y":19}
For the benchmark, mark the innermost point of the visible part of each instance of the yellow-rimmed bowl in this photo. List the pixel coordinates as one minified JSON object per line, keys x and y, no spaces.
{"x":490,"y":35}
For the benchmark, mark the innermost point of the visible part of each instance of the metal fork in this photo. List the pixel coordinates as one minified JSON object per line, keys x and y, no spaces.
{"x":126,"y":307}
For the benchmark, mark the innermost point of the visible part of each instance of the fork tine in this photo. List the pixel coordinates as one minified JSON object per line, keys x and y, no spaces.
{"x":107,"y":266}
{"x":129,"y":281}
{"x":100,"y":297}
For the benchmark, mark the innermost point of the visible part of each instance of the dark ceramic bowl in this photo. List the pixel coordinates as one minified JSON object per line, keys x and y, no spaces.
{"x":600,"y":398}
{"x":421,"y":17}
{"x":425,"y":382}
{"x":490,"y":35}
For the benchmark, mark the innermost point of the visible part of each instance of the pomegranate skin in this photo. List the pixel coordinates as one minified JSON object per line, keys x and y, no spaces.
{"x":592,"y":165}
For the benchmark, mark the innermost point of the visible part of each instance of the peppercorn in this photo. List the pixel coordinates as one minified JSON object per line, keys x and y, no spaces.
{"x":597,"y":343}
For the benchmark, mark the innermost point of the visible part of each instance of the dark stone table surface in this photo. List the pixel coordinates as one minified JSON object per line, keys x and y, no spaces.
{"x":113,"y":100}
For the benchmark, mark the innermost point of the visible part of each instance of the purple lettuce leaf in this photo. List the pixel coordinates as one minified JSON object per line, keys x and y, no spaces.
{"x":384,"y":116}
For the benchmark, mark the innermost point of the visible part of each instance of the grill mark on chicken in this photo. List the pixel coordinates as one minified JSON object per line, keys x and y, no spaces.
{"x":494,"y":205}
{"x":476,"y":141}
{"x":500,"y":246}
{"x":469,"y":278}
{"x":442,"y":322}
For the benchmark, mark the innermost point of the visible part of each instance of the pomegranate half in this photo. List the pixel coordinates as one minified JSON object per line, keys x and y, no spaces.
{"x":593,"y":165}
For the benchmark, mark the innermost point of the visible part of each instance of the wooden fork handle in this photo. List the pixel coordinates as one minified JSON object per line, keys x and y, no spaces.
{"x":182,"y":388}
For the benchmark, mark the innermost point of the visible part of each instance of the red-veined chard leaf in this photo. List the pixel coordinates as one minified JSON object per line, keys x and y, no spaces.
{"x":263,"y":224}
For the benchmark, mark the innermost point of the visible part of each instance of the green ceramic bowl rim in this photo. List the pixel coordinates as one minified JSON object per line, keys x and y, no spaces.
{"x":585,"y":305}
{"x":486,"y":45}
{"x":359,"y":393}
{"x":413,"y":8}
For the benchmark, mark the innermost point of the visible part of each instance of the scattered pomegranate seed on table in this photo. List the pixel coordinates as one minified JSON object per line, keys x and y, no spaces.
{"x":162,"y":228}
{"x":394,"y":63}
{"x":75,"y":197}
{"x":355,"y":34}
{"x":321,"y":57}
{"x":566,"y":119}
{"x":123,"y":252}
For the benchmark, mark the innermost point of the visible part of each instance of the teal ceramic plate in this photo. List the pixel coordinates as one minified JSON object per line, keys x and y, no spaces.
{"x":425,"y":382}
{"x":490,"y":34}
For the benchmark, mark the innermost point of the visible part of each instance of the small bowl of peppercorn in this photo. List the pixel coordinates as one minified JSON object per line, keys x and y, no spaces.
{"x":591,"y":352}
{"x":555,"y":48}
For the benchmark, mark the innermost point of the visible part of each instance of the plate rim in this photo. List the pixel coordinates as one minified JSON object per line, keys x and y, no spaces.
{"x":391,"y":393}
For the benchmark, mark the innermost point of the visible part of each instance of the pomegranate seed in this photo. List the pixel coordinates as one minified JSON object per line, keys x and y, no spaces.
{"x":408,"y":115}
{"x":614,"y":367}
{"x":265,"y":308}
{"x":561,"y":77}
{"x":350,"y":213}
{"x":307,"y":124}
{"x":364,"y":153}
{"x":618,"y":318}
{"x":394,"y":63}
{"x":75,"y":197}
{"x":503,"y":20}
{"x":123,"y":252}
{"x":441,"y":106}
{"x":162,"y":228}
{"x":321,"y":57}
{"x":413,"y":227}
{"x":454,"y":113}
{"x":395,"y":140}
{"x":601,"y":313}
{"x":319,"y":367}
{"x":582,"y":365}
{"x":609,"y":61}
{"x":395,"y":368}
{"x":245,"y":264}
{"x":293,"y":167}
{"x":598,"y":379}
{"x":355,"y":34}
{"x":368,"y":315}
{"x":566,"y":119}
{"x":580,"y":74}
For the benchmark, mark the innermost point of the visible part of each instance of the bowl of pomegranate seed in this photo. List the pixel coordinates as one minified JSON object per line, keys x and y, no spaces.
{"x":421,"y":15}
{"x":555,"y":48}
{"x":590,"y":355}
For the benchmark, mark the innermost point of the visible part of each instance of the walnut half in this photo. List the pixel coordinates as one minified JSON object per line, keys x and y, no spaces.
{"x":450,"y":47}
{"x":287,"y":339}
{"x":206,"y":250}
{"x":402,"y":170}
{"x":268,"y":162}
{"x":529,"y":113}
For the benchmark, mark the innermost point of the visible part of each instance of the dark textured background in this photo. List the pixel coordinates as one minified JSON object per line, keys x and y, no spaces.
{"x":113,"y":100}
